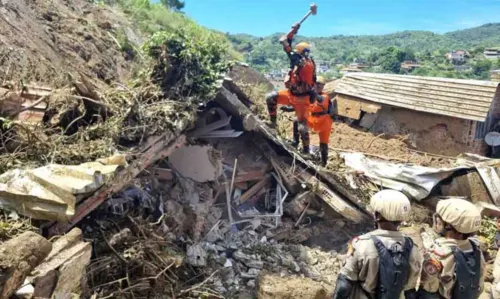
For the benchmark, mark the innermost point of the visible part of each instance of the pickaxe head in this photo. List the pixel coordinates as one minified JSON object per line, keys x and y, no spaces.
{"x":314,"y":9}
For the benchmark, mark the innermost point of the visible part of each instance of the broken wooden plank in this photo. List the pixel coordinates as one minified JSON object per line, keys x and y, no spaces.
{"x":255,"y":188}
{"x":241,"y":185}
{"x":18,"y":257}
{"x":299,"y":173}
{"x":341,"y":206}
{"x":234,"y":106}
{"x":252,"y":123}
{"x":245,"y":176}
{"x":158,"y":151}
{"x":209,"y":128}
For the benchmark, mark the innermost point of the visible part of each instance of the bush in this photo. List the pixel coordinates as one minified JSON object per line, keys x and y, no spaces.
{"x":190,"y":60}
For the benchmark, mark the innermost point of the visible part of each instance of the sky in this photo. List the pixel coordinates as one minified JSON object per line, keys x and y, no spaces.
{"x":347,"y":17}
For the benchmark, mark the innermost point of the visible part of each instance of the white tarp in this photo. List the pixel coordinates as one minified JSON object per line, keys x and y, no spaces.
{"x":415,"y":181}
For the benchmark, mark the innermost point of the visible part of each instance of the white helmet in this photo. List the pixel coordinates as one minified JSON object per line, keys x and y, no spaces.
{"x":391,"y":204}
{"x":459,"y":213}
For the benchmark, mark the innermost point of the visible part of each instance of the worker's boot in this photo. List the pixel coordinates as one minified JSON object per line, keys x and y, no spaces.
{"x":296,"y":135}
{"x":272,"y":122}
{"x":304,"y":133}
{"x":306,"y":150}
{"x":323,"y":148}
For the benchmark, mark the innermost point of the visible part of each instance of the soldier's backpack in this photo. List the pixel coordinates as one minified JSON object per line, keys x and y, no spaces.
{"x":393,"y":268}
{"x":467,"y":273}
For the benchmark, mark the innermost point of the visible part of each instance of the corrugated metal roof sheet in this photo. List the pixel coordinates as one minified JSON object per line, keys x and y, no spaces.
{"x":467,"y":99}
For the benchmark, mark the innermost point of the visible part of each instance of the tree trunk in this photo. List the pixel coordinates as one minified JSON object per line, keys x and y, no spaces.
{"x":18,"y":257}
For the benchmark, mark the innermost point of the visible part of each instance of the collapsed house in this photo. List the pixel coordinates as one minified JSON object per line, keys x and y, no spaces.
{"x":441,"y":116}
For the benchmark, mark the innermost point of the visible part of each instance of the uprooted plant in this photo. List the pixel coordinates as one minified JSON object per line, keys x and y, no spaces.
{"x":180,"y":70}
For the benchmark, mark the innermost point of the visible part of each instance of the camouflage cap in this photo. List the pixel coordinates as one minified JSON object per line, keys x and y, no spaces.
{"x":459,"y":213}
{"x":391,"y":204}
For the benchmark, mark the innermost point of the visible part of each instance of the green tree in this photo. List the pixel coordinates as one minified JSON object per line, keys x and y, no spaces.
{"x":174,"y":4}
{"x":389,"y":60}
{"x":483,"y":65}
{"x":498,"y":63}
{"x":481,"y":68}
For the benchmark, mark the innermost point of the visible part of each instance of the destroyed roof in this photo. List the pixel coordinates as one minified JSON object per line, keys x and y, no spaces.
{"x":467,"y":99}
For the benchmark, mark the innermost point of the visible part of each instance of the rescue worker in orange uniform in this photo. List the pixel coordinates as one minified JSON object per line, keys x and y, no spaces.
{"x":300,"y":91}
{"x":320,"y":121}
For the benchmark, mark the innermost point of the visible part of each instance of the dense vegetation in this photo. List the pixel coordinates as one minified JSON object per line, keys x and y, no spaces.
{"x":383,"y":53}
{"x":184,"y":58}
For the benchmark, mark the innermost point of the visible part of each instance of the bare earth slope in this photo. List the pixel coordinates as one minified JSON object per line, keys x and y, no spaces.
{"x":42,"y":41}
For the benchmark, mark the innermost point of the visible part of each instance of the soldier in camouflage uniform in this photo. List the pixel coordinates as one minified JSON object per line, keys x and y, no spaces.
{"x":453,"y":267}
{"x":383,"y":264}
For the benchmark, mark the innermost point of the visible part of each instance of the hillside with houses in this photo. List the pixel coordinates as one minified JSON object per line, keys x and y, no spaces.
{"x":463,"y":54}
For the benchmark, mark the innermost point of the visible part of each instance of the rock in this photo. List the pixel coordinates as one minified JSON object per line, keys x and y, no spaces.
{"x":228,"y":263}
{"x":272,"y":286}
{"x":252,"y":273}
{"x":240,"y":256}
{"x":263,"y":239}
{"x":222,"y":260}
{"x":219,"y":248}
{"x":287,"y":261}
{"x":196,"y":255}
{"x":255,"y":264}
{"x":339,"y":224}
{"x":219,"y":287}
{"x":251,"y":283}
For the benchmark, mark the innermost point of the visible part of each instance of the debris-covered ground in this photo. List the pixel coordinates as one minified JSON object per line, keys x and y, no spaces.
{"x":170,"y":183}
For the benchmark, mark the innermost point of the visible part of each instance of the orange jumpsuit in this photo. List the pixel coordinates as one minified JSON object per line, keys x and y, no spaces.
{"x":319,"y":119}
{"x":298,"y":95}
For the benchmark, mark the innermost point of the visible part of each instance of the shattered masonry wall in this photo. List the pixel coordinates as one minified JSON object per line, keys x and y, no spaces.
{"x":427,"y":132}
{"x":495,"y":105}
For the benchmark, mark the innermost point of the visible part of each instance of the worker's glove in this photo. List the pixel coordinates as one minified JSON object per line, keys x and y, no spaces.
{"x":287,"y":108}
{"x":295,"y":28}
{"x":284,"y":40}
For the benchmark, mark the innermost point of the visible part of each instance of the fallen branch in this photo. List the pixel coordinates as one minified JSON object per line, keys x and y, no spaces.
{"x":374,"y":138}
{"x":113,"y":249}
{"x":199,"y":285}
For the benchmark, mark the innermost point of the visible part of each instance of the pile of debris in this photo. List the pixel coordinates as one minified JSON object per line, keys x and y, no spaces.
{"x":177,"y":186}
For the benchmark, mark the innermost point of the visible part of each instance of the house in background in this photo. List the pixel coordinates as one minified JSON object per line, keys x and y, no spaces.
{"x":458,"y":56}
{"x":439,"y":115}
{"x":492,"y":53}
{"x":410,"y":65}
{"x":347,"y":70}
{"x":358,"y":65}
{"x":323,"y":67}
